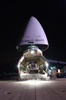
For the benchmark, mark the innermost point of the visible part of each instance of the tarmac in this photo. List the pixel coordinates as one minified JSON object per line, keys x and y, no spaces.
{"x":33,"y":89}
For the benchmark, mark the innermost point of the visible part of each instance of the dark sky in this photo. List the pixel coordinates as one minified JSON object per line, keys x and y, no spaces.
{"x":50,"y":13}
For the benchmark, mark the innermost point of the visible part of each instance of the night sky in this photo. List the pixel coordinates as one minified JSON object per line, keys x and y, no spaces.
{"x":50,"y":13}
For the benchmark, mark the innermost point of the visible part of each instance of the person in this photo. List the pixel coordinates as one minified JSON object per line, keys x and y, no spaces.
{"x":49,"y":74}
{"x":53,"y":74}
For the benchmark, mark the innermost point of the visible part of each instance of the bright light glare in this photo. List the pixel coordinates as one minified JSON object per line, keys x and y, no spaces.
{"x":32,"y":52}
{"x":31,"y":82}
{"x":39,"y":51}
{"x":34,"y":83}
{"x":58,"y":70}
{"x":21,"y":58}
{"x":46,"y":63}
{"x":27,"y":66}
{"x":45,"y":75}
{"x":20,"y":61}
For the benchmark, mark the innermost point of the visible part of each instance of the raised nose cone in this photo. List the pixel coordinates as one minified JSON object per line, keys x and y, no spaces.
{"x":34,"y":35}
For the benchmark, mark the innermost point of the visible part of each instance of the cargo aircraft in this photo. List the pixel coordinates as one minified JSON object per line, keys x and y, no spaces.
{"x":32,"y":64}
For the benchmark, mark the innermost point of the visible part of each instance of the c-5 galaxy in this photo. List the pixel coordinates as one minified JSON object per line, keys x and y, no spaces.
{"x":32,"y":64}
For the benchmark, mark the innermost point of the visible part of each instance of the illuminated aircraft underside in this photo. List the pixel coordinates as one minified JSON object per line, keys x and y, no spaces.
{"x":32,"y":62}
